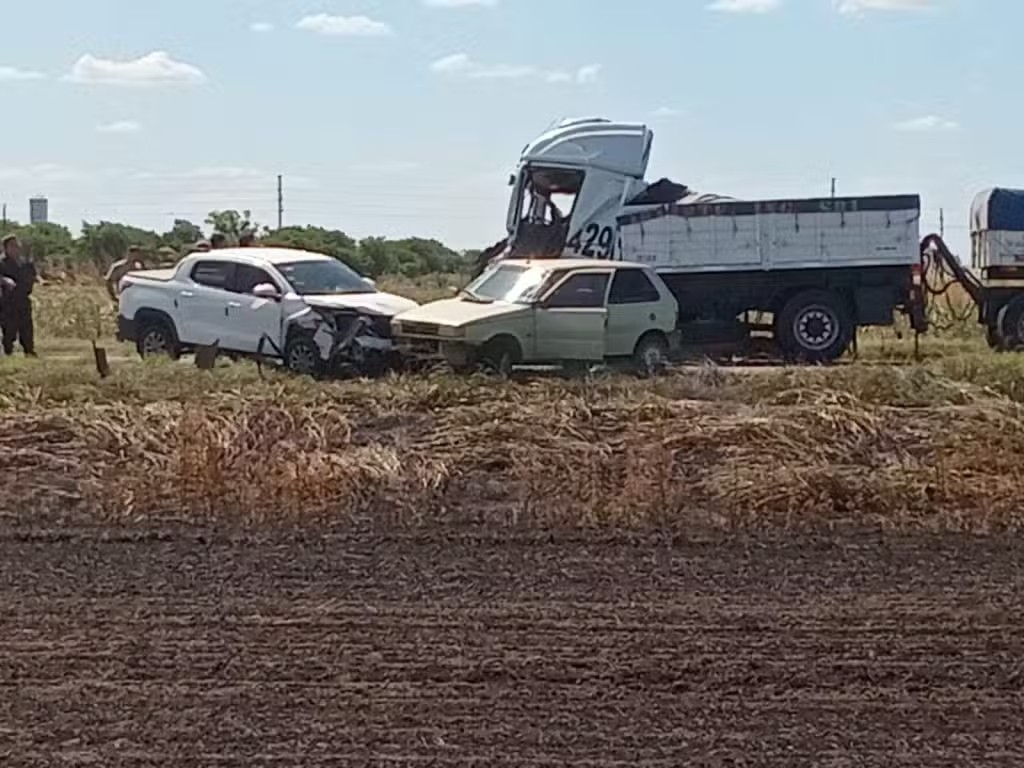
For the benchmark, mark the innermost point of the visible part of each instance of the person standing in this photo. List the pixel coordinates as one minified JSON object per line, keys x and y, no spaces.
{"x":122,"y":267}
{"x":19,"y":278}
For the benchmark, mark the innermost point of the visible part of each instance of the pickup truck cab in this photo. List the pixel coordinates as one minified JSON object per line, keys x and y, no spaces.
{"x":550,"y":312}
{"x":307,"y":309}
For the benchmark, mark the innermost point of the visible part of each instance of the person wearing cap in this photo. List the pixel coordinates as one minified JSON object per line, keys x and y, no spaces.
{"x":122,"y":267}
{"x":17,"y":278}
{"x":168,"y":256}
{"x":218,"y":240}
{"x":247,"y":239}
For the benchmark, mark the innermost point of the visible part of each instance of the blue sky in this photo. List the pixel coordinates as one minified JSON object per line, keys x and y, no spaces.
{"x":402,"y":117}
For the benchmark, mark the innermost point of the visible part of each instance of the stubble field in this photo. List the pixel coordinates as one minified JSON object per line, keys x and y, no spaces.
{"x":794,"y":567}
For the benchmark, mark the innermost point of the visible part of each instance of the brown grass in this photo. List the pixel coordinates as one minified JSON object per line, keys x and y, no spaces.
{"x":918,"y":445}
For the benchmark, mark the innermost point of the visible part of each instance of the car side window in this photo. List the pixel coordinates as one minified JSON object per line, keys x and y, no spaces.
{"x":633,"y":286}
{"x":581,"y":291}
{"x":213,"y":274}
{"x":248,"y":277}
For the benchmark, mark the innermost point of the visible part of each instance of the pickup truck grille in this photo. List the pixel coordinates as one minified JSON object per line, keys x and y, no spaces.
{"x":420,"y":329}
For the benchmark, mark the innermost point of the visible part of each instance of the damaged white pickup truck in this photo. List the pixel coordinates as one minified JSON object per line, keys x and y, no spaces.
{"x":307,"y":310}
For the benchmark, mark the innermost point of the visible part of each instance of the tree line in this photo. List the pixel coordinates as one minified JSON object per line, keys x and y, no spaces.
{"x":101,"y":243}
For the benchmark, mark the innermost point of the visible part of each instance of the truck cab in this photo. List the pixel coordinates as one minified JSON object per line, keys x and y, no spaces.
{"x":570,"y":185}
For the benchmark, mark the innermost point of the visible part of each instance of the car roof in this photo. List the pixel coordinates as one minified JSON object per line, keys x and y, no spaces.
{"x":560,"y":263}
{"x":262,"y":255}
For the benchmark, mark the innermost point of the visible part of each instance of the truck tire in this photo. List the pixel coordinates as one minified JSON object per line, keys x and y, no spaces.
{"x":156,"y":338}
{"x":650,"y":356}
{"x":1010,"y":324}
{"x":815,"y":326}
{"x":500,"y":354}
{"x":302,"y":355}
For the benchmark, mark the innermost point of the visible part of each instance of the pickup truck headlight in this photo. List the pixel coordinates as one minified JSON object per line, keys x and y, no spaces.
{"x":452,"y":332}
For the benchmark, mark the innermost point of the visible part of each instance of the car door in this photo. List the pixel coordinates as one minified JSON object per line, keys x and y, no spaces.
{"x":569,"y":321}
{"x":634,"y":306}
{"x":251,"y":318}
{"x":202,"y":304}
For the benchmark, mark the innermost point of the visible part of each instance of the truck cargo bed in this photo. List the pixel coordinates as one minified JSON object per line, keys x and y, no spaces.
{"x":811,"y":233}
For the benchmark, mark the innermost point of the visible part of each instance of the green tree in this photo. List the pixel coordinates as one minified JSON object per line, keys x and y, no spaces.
{"x":108,"y":241}
{"x":231,"y":222}
{"x":45,"y":241}
{"x":183,"y":234}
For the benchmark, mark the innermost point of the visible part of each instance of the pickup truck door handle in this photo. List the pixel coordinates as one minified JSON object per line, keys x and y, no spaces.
{"x":235,"y":304}
{"x":187,"y":294}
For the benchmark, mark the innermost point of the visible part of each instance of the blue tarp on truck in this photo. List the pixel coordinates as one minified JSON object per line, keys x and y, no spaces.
{"x":998,"y":210}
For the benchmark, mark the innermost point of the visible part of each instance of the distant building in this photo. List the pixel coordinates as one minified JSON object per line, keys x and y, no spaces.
{"x":38,"y":210}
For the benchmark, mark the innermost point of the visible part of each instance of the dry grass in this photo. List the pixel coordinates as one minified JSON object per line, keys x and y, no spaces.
{"x":927,"y":445}
{"x":891,"y":447}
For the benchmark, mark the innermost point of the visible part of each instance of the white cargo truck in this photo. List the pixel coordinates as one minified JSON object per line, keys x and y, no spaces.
{"x":820,"y":268}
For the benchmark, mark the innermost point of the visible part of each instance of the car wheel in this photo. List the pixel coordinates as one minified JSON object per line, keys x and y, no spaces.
{"x":814,"y":326}
{"x":302,"y":355}
{"x":501,"y":355}
{"x":650,"y":357}
{"x":157,"y":339}
{"x":1010,"y":323}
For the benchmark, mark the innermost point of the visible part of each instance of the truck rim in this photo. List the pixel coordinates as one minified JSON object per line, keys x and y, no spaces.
{"x":816,"y":327}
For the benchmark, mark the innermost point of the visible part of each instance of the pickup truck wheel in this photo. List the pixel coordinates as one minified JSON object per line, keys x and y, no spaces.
{"x":302,"y":355}
{"x":815,"y":327}
{"x":650,"y":357}
{"x":157,"y":339}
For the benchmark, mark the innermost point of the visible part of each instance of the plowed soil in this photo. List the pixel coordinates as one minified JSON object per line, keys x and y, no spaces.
{"x":131,"y":647}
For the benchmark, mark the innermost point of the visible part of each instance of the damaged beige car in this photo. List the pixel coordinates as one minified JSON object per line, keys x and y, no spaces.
{"x":566,"y":312}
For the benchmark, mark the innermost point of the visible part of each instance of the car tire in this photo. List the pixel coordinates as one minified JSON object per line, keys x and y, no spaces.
{"x":814,"y":326}
{"x":302,"y":355}
{"x":500,"y":355}
{"x":650,"y":356}
{"x":156,"y":338}
{"x":1011,"y":324}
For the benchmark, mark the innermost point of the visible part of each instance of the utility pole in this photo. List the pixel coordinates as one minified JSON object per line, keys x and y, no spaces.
{"x":942,"y":223}
{"x":280,"y":202}
{"x":833,"y":187}
{"x":3,"y":227}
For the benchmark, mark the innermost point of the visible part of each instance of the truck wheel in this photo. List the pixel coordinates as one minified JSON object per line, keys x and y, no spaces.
{"x":156,"y":338}
{"x":650,"y":357}
{"x":814,"y":326}
{"x":1010,"y":324}
{"x":500,"y":355}
{"x":302,"y":355}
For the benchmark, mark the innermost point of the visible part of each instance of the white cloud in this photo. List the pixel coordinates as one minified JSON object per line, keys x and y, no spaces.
{"x":344,"y":26}
{"x":744,"y":6}
{"x":857,"y":7}
{"x":120,"y":126}
{"x":927,"y":124}
{"x":42,"y":172}
{"x":666,"y":112}
{"x":10,"y":74}
{"x":388,"y":167}
{"x":462,"y":64}
{"x":153,"y":69}
{"x":459,"y":3}
{"x":261,"y":26}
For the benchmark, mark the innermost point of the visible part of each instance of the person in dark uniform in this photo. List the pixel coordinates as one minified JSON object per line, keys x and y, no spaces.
{"x":218,"y":240}
{"x":19,"y":278}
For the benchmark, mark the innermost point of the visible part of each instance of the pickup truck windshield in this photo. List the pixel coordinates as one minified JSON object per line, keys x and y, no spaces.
{"x":508,"y":283}
{"x":322,"y":278}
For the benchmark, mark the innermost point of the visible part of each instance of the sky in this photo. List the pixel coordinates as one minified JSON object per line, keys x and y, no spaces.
{"x":405,"y":117}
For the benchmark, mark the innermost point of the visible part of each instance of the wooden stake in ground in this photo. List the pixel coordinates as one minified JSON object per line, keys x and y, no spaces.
{"x":206,"y":356}
{"x":99,"y":355}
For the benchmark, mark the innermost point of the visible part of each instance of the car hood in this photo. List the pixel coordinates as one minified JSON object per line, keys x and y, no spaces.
{"x":456,"y":312}
{"x":372,"y":303}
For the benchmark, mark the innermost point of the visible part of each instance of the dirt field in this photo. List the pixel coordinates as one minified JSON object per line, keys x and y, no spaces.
{"x":180,"y":648}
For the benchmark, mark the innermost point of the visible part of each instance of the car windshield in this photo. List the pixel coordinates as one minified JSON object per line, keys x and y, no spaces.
{"x":508,"y":283}
{"x":321,"y":278}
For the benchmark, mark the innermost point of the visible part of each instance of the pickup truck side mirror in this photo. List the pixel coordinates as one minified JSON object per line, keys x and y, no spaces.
{"x":370,"y":282}
{"x":266,"y":291}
